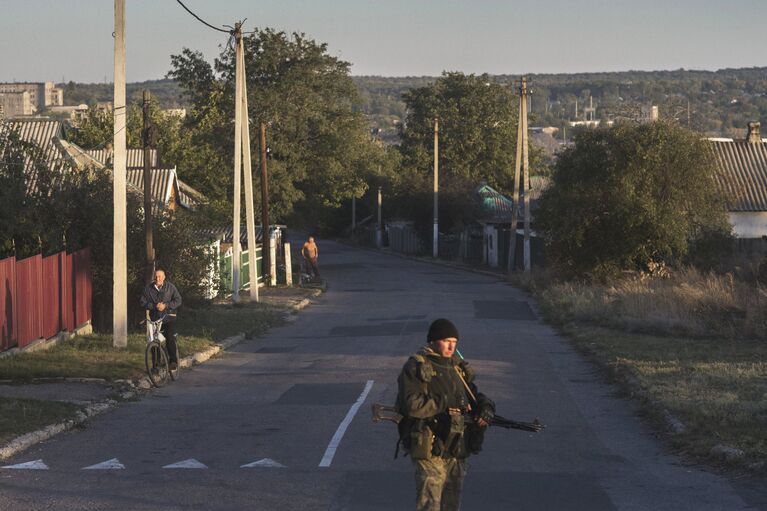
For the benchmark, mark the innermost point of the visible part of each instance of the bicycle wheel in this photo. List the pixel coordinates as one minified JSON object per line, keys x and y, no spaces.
{"x":156,"y":363}
{"x":174,"y":372}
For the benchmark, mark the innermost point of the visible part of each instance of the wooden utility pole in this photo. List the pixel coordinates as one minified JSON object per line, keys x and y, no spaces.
{"x":265,"y":237}
{"x":237,"y":168}
{"x":248,"y":173}
{"x":515,"y":197}
{"x":148,"y":233}
{"x":435,"y":236}
{"x":525,"y":171}
{"x":120,"y":253}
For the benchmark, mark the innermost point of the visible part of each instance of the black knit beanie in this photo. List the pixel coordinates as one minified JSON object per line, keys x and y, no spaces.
{"x":442,"y":329}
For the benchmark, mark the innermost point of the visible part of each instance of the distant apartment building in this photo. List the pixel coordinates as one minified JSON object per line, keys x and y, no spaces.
{"x":16,"y":104}
{"x":40,"y":96}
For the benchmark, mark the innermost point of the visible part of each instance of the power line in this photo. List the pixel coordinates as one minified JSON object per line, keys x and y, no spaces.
{"x":202,"y":20}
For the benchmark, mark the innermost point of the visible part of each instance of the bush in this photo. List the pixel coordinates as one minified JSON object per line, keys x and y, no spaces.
{"x":631,"y":195}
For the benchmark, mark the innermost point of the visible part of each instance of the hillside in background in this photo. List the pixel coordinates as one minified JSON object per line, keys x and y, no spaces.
{"x":167,"y":92}
{"x":716,"y":103}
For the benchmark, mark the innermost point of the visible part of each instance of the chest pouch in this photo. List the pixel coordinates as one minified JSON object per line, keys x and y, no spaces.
{"x":425,"y":371}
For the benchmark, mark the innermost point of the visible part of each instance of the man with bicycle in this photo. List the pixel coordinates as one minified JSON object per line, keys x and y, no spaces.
{"x":162,"y":299}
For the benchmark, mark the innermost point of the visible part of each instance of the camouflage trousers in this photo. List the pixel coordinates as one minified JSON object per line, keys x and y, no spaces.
{"x":438,"y":483}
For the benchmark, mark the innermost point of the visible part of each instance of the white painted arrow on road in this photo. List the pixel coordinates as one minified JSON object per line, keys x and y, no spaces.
{"x":30,"y":465}
{"x":113,"y":464}
{"x":190,"y":463}
{"x":265,"y":462}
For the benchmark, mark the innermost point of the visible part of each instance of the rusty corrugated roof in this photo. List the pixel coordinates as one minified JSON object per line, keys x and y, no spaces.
{"x":742,"y":173}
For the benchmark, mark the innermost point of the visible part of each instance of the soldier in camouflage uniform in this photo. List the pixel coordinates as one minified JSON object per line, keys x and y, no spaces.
{"x":444,"y":418}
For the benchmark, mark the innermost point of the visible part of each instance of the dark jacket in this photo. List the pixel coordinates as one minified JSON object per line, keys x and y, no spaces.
{"x":167,"y":294}
{"x":427,"y":386}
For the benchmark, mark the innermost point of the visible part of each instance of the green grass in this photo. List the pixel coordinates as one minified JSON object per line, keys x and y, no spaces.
{"x":217,"y":322}
{"x":93,"y":356}
{"x":19,"y":416}
{"x":692,"y":344}
{"x":90,"y":356}
{"x":716,"y":387}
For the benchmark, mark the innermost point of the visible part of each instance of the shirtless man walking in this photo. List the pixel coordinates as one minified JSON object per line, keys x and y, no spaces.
{"x":311,"y":253}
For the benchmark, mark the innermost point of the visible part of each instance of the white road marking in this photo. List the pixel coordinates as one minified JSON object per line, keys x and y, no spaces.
{"x":113,"y":464}
{"x":29,"y":465}
{"x":265,"y":462}
{"x":327,"y":459}
{"x":190,"y":463}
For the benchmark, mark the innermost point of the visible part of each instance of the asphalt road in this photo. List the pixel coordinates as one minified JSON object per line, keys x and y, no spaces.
{"x":295,"y":405}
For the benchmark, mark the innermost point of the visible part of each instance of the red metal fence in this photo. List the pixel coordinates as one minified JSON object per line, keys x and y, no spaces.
{"x":40,"y":297}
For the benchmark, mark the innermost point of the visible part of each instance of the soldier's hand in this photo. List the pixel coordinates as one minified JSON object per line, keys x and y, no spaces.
{"x":485,"y":417}
{"x":454,"y":411}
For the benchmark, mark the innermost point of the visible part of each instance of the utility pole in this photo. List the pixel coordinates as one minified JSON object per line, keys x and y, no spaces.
{"x":248,"y":172}
{"x":242,"y":155}
{"x":354,"y":213}
{"x":379,"y":230}
{"x":148,"y":136}
{"x":237,"y":168}
{"x":525,"y":171}
{"x":265,"y":250}
{"x":435,"y":237}
{"x":515,"y":198}
{"x":120,"y":253}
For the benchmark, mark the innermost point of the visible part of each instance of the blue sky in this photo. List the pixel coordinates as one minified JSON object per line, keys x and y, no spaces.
{"x":71,"y":39}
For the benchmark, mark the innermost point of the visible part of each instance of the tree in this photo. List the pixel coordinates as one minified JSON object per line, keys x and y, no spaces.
{"x":628,"y":196}
{"x":477,"y":142}
{"x":477,"y":130}
{"x":319,"y":144}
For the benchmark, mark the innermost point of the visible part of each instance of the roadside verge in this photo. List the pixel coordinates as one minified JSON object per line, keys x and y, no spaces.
{"x":62,"y":388}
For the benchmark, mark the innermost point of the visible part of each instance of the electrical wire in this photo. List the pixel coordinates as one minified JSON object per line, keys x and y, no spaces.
{"x":202,"y":20}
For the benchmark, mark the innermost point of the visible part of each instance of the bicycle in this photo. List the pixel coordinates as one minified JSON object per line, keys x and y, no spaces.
{"x":156,"y":354}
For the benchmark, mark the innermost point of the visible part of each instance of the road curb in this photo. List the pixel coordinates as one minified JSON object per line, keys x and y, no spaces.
{"x":27,"y":440}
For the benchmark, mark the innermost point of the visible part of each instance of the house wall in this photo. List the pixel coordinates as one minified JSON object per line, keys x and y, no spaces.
{"x":751,"y":224}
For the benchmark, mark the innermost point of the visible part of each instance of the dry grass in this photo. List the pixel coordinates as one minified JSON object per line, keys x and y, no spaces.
{"x":693,"y":344}
{"x":688,"y":303}
{"x":716,"y":388}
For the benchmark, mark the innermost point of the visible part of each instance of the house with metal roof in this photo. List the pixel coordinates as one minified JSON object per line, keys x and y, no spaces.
{"x":742,"y":177}
{"x":167,"y":191}
{"x":134,"y":158}
{"x":493,"y":214}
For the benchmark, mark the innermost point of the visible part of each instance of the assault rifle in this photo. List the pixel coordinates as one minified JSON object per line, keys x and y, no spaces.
{"x":389,"y":413}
